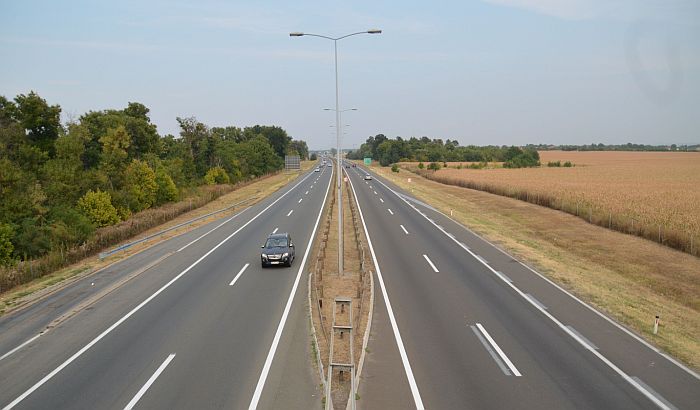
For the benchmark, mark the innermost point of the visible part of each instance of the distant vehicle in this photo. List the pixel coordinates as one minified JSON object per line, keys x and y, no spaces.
{"x":318,"y":169}
{"x":329,"y":165}
{"x":278,"y":250}
{"x":354,"y":165}
{"x":368,"y":177}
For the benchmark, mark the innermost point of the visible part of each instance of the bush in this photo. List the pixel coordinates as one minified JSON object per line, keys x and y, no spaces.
{"x":420,"y":165}
{"x":69,"y":227}
{"x":167,"y":191}
{"x":394,"y":168}
{"x":519,"y":158}
{"x":97,"y":206}
{"x":313,"y":157}
{"x":434,"y":166}
{"x":554,"y":164}
{"x":568,"y":164}
{"x":216,"y":175}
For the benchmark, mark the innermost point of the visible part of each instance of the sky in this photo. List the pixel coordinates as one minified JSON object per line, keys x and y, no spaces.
{"x":504,"y":72}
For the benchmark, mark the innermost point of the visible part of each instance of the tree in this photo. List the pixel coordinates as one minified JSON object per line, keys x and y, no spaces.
{"x":276,"y":136}
{"x":97,"y":206}
{"x":63,"y":175}
{"x":6,"y":247}
{"x":114,"y":155}
{"x":140,"y":186}
{"x":216,"y":175}
{"x":300,"y":147}
{"x":41,"y":120}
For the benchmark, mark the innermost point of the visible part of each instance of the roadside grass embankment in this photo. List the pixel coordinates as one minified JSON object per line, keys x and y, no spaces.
{"x":653,"y":195}
{"x":629,"y":278}
{"x":326,"y":284}
{"x":26,"y":287}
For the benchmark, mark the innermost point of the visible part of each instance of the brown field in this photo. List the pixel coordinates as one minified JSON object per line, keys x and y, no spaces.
{"x":655,"y":195}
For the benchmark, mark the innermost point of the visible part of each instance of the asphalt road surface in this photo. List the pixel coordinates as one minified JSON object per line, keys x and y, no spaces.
{"x":192,"y":323}
{"x":195,"y":323}
{"x":468,"y":326}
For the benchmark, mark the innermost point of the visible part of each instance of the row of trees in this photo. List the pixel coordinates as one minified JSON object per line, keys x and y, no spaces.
{"x":388,"y":151}
{"x":616,"y":147}
{"x":58,"y":183}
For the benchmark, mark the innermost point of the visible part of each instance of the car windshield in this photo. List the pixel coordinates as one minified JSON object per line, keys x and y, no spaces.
{"x":273,"y":242}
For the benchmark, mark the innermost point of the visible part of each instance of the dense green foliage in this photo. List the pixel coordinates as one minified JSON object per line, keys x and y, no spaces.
{"x":59,"y":183}
{"x":388,"y":151}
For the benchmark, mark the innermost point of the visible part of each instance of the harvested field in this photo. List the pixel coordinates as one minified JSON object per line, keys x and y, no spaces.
{"x":655,"y":195}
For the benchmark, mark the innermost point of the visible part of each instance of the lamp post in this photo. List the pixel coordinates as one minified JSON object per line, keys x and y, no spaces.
{"x":337,"y":133}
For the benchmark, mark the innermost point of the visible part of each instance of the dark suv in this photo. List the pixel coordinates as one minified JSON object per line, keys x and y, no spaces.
{"x":278,"y":250}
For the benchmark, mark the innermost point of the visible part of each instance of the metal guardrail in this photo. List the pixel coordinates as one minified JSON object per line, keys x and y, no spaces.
{"x":180,"y":225}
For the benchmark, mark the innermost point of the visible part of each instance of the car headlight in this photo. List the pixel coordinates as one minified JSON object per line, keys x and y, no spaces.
{"x":285,"y":254}
{"x":264,"y":255}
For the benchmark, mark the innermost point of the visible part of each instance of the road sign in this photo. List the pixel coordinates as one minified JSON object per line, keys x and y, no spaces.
{"x":368,"y":161}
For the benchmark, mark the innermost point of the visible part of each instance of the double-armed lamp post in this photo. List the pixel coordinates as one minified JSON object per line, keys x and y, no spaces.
{"x":337,"y":134}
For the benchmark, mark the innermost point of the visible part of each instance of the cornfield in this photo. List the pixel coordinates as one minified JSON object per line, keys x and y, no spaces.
{"x":655,"y":195}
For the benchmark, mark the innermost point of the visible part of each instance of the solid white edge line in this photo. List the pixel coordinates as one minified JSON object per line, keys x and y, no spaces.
{"x":212,"y":230}
{"x":394,"y":327}
{"x":20,"y":346}
{"x":290,"y":212}
{"x":568,"y":331}
{"x":503,"y":356}
{"x":233,"y":282}
{"x":280,"y":327}
{"x":404,"y":229}
{"x":150,"y":381}
{"x":139,"y":306}
{"x":427,"y":259}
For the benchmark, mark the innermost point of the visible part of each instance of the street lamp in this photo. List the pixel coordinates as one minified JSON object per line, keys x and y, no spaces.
{"x":337,"y":132}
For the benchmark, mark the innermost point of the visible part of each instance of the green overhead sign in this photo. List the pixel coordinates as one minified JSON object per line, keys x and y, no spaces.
{"x":368,"y":161}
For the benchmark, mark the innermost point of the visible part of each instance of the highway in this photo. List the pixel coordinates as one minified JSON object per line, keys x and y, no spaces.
{"x":468,"y":326}
{"x":194,"y":322}
{"x":191,"y":323}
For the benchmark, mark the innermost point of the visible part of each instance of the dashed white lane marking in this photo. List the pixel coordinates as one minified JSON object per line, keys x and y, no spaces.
{"x":491,"y":352}
{"x":432,"y":265}
{"x":390,"y":211}
{"x":375,"y":192}
{"x":290,"y":212}
{"x":240,"y":272}
{"x":404,"y":229}
{"x":275,"y":231}
{"x":20,"y":346}
{"x":498,"y":350}
{"x":306,"y":193}
{"x":300,"y":199}
{"x":381,"y":200}
{"x":150,"y":381}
